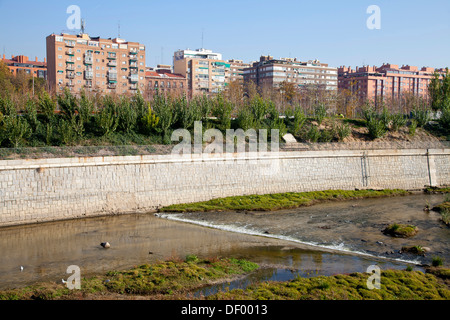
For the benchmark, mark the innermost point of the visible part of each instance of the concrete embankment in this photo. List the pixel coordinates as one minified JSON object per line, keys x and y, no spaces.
{"x":56,"y":189}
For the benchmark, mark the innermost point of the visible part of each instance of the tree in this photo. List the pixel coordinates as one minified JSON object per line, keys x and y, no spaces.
{"x":6,"y":87}
{"x":288,"y":91}
{"x":439,"y":90}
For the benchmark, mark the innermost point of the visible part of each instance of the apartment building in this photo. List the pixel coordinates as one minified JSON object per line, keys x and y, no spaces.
{"x":205,"y":71}
{"x":236,"y":72}
{"x":17,"y":64}
{"x":389,"y":80}
{"x":162,"y":80}
{"x":270,"y":73}
{"x":81,"y":62}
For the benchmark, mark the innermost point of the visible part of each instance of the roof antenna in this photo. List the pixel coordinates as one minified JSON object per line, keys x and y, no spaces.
{"x":118,"y":26}
{"x":83,"y":26}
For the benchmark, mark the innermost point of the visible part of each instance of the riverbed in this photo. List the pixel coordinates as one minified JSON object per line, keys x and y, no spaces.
{"x":326,"y":239}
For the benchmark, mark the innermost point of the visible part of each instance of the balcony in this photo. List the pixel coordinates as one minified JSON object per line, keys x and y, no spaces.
{"x":70,"y":53}
{"x":112,"y":56}
{"x":70,"y":84}
{"x":134,"y":78}
{"x":133,"y":57}
{"x":134,"y":86}
{"x":133,"y":65}
{"x":70,"y":67}
{"x":112,"y":85}
{"x":88,"y":75}
{"x":88,"y":59}
{"x":70,"y":44}
{"x":112,"y":75}
{"x":70,"y":75}
{"x":70,"y":60}
{"x":134,"y":51}
{"x":112,"y":63}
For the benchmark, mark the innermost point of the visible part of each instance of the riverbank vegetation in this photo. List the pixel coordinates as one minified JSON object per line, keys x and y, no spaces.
{"x":272,"y":202}
{"x":401,"y":230}
{"x":395,"y":285}
{"x":162,"y":280}
{"x":180,"y":279}
{"x":444,"y":210}
{"x":45,"y":119}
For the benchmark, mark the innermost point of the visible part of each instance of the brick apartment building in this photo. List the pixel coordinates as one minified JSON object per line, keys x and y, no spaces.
{"x":205,"y":71}
{"x":17,"y":64}
{"x":81,"y":62}
{"x":270,"y":73}
{"x":162,"y":80}
{"x":389,"y":80}
{"x":236,"y":72}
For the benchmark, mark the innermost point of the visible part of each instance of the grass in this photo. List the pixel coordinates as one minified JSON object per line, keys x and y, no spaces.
{"x":178,"y":279}
{"x":437,"y":190}
{"x":401,"y":230}
{"x":273,"y":202}
{"x":162,"y":279}
{"x":415,"y":250}
{"x":395,"y":285}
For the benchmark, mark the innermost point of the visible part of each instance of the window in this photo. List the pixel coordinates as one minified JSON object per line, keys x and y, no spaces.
{"x":59,"y":49}
{"x":60,"y":57}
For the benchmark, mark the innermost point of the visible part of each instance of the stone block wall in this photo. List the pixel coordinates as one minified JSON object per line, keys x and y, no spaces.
{"x":56,"y":189}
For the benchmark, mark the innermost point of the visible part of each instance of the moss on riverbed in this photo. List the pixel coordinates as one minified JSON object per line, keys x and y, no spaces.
{"x":273,"y":202}
{"x":161,"y":280}
{"x":395,"y":285}
{"x":177,"y":279}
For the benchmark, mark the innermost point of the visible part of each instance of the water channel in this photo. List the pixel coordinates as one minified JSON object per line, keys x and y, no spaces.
{"x":325,"y":239}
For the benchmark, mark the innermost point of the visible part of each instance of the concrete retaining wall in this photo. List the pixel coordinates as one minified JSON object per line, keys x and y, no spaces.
{"x":54,"y":189}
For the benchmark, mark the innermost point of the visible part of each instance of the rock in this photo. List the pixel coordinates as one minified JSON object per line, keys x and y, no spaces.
{"x":289,"y":138}
{"x":105,"y":245}
{"x":426,"y":249}
{"x":379,"y":242}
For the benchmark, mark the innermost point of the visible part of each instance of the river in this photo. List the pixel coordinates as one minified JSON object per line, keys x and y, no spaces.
{"x":325,"y":239}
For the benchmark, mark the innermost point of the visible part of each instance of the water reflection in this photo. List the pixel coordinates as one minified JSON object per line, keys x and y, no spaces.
{"x":46,"y":250}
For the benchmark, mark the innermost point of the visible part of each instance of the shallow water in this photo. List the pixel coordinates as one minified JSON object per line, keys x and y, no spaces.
{"x":347,"y":226}
{"x":46,"y":250}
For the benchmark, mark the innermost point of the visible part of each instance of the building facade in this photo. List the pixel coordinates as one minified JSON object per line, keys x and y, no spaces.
{"x":81,"y":62}
{"x":236,"y":72}
{"x":204,"y":70}
{"x":270,"y":73}
{"x":164,"y":81}
{"x":17,"y":64}
{"x":389,"y":80}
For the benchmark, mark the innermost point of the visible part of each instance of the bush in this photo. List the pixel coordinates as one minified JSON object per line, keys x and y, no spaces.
{"x":437,"y":262}
{"x":398,"y":121}
{"x":421,"y":115}
{"x":342,"y":131}
{"x":313,"y":134}
{"x":377,"y":128}
{"x":320,"y":112}
{"x":412,"y":127}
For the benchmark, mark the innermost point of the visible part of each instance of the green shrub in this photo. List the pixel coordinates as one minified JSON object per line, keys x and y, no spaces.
{"x":412,"y":127}
{"x":377,"y":128}
{"x":313,"y":134}
{"x":437,"y":261}
{"x":342,"y":131}
{"x":398,"y":121}
{"x":421,"y":115}
{"x":320,"y":112}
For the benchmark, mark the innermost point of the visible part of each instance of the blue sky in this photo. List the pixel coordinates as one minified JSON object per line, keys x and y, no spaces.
{"x":335,"y":32}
